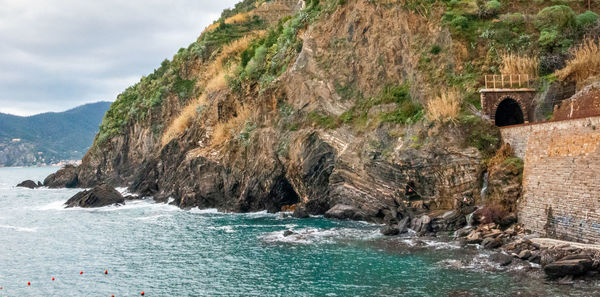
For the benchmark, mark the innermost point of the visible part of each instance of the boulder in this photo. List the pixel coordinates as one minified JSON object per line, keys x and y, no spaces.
{"x":524,"y":254}
{"x":403,"y":225}
{"x":421,"y":224}
{"x":508,"y":221}
{"x":474,"y":238}
{"x":300,"y":213}
{"x":390,"y":230}
{"x":99,"y":196}
{"x":502,"y":259}
{"x":491,"y":243}
{"x":344,"y":212}
{"x":287,"y":233}
{"x":66,"y":177}
{"x":573,"y":267}
{"x":28,"y":184}
{"x":463,"y":232}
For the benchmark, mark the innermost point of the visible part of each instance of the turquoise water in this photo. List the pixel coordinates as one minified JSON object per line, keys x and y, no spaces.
{"x":164,"y":251}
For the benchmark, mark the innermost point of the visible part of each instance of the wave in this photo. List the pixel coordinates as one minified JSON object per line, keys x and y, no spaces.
{"x":56,"y":205}
{"x":321,"y":236}
{"x":205,"y":211}
{"x":20,"y":229}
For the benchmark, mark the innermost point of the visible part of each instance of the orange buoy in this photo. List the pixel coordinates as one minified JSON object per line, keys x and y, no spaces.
{"x":112,"y":295}
{"x":105,"y":271}
{"x":142,"y":293}
{"x":53,"y":278}
{"x":29,"y":283}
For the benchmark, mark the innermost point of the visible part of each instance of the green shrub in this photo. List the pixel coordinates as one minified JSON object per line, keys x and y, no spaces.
{"x":587,"y":19}
{"x":460,"y":22}
{"x":513,"y":19}
{"x":558,"y":17}
{"x":493,"y":7}
{"x":323,"y":121}
{"x":552,"y":39}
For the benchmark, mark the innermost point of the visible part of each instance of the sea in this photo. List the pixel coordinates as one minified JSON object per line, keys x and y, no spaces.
{"x":161,"y":250}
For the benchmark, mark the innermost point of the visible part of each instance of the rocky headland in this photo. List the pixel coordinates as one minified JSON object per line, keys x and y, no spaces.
{"x":361,"y":110}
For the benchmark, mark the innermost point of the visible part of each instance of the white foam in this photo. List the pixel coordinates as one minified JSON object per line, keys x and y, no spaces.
{"x":316,"y":235}
{"x":136,"y":204}
{"x":20,"y":229}
{"x":56,"y":205}
{"x":152,"y":218}
{"x":227,"y":229}
{"x":205,"y":211}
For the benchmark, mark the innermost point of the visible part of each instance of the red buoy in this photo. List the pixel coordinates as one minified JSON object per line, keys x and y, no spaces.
{"x":142,"y":293}
{"x":29,"y":283}
{"x":80,"y":272}
{"x":105,"y":271}
{"x":112,"y":295}
{"x":53,"y":278}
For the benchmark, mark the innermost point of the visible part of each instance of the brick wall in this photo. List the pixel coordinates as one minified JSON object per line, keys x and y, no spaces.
{"x":561,"y":179}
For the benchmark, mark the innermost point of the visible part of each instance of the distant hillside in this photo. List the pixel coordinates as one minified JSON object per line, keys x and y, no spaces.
{"x":49,"y":137}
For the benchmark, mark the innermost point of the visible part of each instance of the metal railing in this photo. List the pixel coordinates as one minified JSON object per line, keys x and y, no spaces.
{"x":508,"y":81}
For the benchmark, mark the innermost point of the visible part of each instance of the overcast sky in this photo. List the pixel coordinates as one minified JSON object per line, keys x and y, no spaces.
{"x":58,"y":54}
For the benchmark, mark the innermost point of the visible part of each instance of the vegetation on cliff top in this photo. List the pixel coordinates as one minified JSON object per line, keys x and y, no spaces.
{"x":489,"y":37}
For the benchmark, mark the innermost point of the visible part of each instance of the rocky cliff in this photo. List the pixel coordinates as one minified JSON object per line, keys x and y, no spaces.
{"x":329,"y":106}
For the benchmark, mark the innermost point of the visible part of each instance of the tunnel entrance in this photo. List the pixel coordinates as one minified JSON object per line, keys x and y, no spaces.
{"x":509,"y":113}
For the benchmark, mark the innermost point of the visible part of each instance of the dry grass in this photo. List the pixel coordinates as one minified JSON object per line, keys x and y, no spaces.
{"x":584,"y":64}
{"x":217,"y":70}
{"x":515,"y":64}
{"x":236,"y":19}
{"x":183,"y":121}
{"x":501,"y":155}
{"x":445,"y":107}
{"x":224,"y":131}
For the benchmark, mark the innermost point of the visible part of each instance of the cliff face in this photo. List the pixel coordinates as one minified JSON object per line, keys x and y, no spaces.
{"x":335,"y":117}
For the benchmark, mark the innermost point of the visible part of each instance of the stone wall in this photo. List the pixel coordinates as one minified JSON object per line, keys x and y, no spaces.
{"x":561,"y":179}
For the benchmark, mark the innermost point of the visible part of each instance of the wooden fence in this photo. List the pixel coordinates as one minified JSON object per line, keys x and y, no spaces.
{"x":508,"y":81}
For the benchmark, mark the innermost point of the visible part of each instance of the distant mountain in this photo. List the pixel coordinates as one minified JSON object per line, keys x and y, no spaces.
{"x":49,"y":137}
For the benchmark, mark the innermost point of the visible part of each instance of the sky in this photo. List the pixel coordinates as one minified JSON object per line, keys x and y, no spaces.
{"x":58,"y":54}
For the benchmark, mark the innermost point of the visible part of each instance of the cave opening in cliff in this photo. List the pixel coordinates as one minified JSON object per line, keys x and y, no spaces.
{"x":509,"y":113}
{"x":282,"y":194}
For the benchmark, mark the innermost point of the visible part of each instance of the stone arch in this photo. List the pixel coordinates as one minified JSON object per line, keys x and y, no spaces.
{"x":509,"y":110}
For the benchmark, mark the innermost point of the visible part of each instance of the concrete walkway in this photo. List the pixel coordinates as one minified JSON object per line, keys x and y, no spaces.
{"x":548,"y":242}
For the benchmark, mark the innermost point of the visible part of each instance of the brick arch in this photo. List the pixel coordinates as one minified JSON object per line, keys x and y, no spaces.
{"x":491,"y":99}
{"x":519,"y":101}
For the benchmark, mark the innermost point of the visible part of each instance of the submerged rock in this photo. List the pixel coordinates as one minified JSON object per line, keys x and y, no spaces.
{"x":99,"y":196}
{"x":300,"y":213}
{"x":287,"y":233}
{"x":390,"y":230}
{"x":502,"y":259}
{"x":28,"y":184}
{"x":344,"y":212}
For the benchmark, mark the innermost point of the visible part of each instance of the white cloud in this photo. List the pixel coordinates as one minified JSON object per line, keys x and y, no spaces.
{"x":56,"y":54}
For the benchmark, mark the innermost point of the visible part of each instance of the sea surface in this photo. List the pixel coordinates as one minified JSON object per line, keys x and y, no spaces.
{"x":164,"y":251}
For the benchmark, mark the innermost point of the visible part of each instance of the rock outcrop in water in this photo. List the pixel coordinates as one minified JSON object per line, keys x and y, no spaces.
{"x":29,"y":184}
{"x":99,"y":196}
{"x":66,"y":177}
